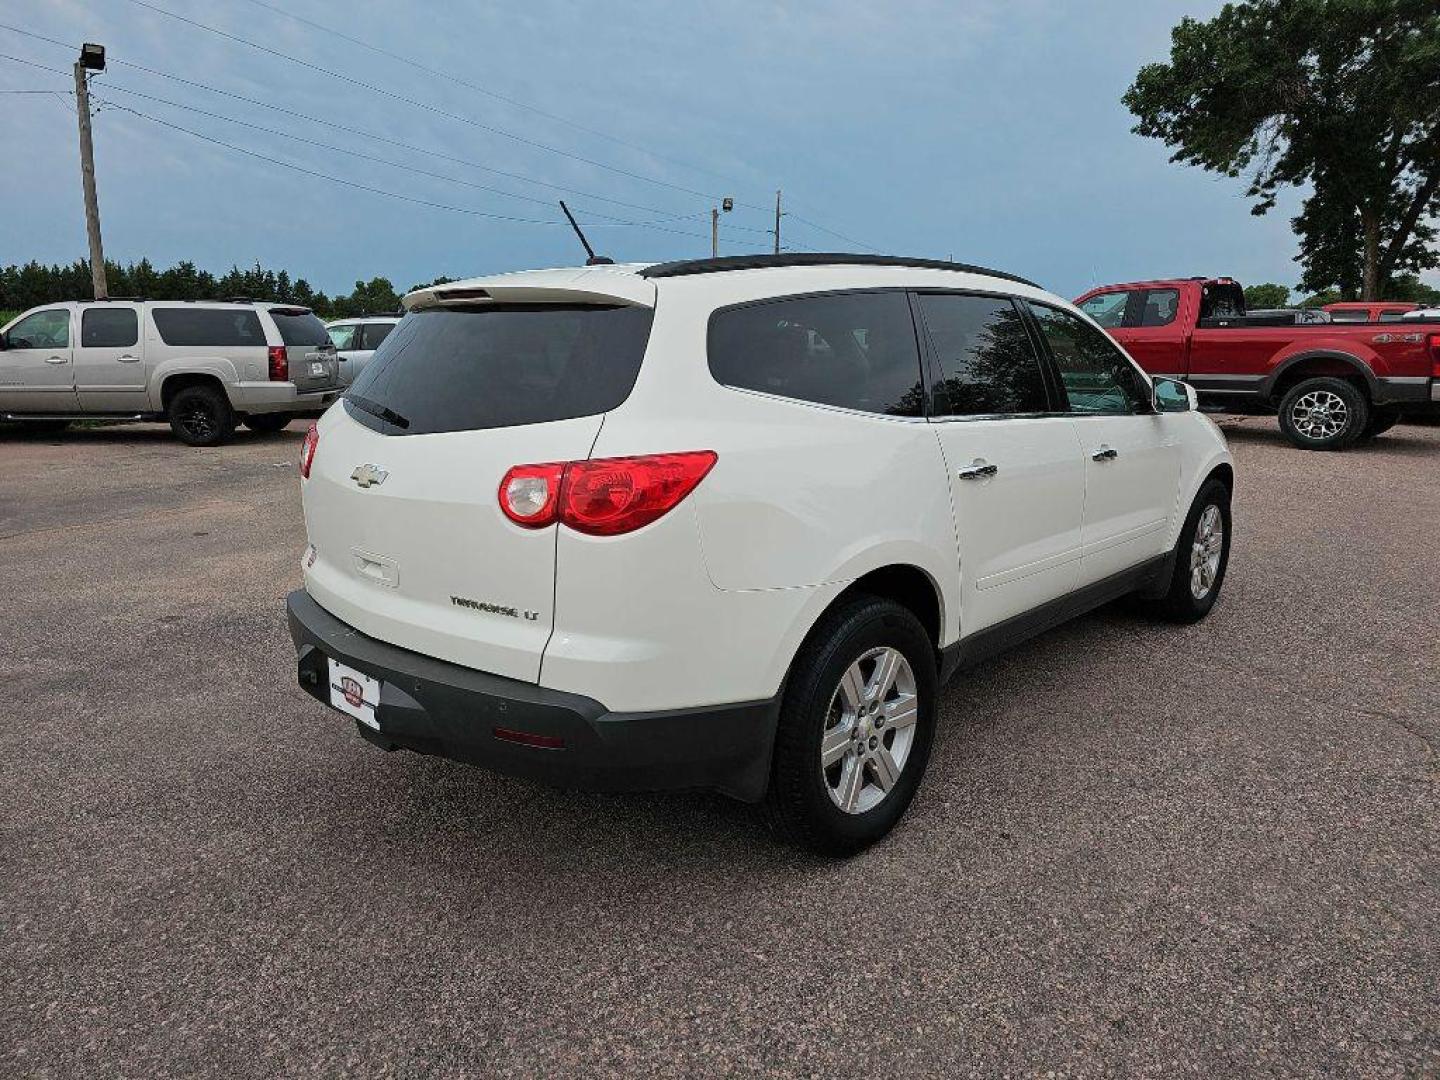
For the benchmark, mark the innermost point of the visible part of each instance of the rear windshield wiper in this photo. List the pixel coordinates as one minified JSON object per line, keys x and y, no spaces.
{"x":374,"y":408}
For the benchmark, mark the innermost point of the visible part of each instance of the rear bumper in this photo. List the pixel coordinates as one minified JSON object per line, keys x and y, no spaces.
{"x":271,"y":397}
{"x":434,"y":707}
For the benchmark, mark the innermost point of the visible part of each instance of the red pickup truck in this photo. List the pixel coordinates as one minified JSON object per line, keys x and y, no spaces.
{"x":1332,"y":384}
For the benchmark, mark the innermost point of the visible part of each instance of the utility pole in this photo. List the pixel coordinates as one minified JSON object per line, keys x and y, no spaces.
{"x":777,"y":221}
{"x":92,"y":58}
{"x":727,"y":204}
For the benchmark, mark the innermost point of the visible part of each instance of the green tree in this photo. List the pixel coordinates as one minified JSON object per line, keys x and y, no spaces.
{"x":1342,"y":95}
{"x":1268,"y":295}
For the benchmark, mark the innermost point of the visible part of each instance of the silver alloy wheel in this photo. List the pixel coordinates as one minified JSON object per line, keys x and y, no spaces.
{"x":869,"y":730}
{"x":1320,"y":414}
{"x":1205,"y":551}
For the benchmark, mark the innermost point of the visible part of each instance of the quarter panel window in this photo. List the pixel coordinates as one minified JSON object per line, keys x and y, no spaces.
{"x":43,"y":330}
{"x":109,"y":328}
{"x":1096,"y":376}
{"x":852,"y":350}
{"x":988,"y":364}
{"x":214,"y":327}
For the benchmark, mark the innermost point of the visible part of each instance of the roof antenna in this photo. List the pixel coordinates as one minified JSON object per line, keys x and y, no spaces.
{"x":592,"y":259}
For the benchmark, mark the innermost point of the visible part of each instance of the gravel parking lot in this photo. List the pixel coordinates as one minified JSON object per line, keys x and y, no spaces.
{"x":1140,"y":849}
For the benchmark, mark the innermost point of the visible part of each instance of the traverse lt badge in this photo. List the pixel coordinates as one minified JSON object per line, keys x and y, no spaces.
{"x":369,"y":476}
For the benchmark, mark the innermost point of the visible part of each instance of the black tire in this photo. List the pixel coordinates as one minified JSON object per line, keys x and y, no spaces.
{"x":267,"y":422}
{"x":1382,"y":419}
{"x":1313,"y":407}
{"x":799,"y":798}
{"x":1179,"y":603}
{"x":201,"y":416}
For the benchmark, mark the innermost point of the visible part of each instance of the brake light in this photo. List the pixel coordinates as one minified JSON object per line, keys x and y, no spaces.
{"x":529,"y":494}
{"x":1435,"y":356}
{"x":279,"y":364}
{"x":602,"y":497}
{"x":307,"y":452}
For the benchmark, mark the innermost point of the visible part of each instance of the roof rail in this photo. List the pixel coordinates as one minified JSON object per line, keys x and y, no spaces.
{"x":107,"y":299}
{"x":687,"y":267}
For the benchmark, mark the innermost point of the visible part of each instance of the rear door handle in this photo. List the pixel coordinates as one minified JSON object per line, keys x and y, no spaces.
{"x":1105,"y":453}
{"x":128,"y":359}
{"x":57,"y":360}
{"x":978,"y":471}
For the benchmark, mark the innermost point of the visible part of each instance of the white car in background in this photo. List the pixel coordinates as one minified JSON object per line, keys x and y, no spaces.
{"x":731,"y":523}
{"x":356,"y":341}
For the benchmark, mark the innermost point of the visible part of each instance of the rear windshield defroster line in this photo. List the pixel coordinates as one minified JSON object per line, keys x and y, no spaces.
{"x":491,"y":366}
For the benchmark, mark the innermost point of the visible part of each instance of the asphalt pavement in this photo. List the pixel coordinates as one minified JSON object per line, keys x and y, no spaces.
{"x":1140,"y":849}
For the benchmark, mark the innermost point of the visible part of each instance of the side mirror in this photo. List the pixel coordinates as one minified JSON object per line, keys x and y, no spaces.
{"x":1171,"y":395}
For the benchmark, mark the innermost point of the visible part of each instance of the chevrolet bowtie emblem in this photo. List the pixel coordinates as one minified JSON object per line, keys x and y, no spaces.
{"x":369,"y":475}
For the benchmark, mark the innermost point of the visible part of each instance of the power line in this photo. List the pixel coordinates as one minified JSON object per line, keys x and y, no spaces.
{"x":617,"y":221}
{"x":362,"y":133}
{"x":396,"y":143}
{"x":457,"y":80}
{"x":415,"y":103}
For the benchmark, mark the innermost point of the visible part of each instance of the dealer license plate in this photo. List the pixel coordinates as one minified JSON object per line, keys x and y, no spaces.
{"x":355,"y":693}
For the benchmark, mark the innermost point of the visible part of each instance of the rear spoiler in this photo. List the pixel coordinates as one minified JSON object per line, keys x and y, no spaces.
{"x":602,"y":286}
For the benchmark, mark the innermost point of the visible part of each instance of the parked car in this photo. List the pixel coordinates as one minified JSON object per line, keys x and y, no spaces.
{"x":1332,"y":384}
{"x":203,"y":366}
{"x":730,"y":523}
{"x":1425,"y":314}
{"x":356,"y":340}
{"x":1368,"y":311}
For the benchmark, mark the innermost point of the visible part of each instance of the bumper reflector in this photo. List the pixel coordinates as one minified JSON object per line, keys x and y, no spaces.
{"x":529,"y":738}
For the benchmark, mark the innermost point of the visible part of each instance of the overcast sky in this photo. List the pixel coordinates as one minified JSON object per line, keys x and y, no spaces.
{"x":982,"y":130}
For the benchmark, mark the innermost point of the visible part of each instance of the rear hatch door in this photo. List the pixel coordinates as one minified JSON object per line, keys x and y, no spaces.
{"x":402,"y":506}
{"x":308,"y":348}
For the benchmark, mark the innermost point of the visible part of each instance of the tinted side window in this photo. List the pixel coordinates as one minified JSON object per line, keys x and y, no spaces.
{"x":113,"y":328}
{"x":216,"y":327}
{"x":987,"y":361}
{"x":1096,"y":376}
{"x":43,"y":330}
{"x":374,"y":333}
{"x":854,"y":350}
{"x":1107,"y":309}
{"x":1158,"y":309}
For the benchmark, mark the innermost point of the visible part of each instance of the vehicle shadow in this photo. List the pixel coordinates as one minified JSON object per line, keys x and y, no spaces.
{"x":91,"y":432}
{"x":1262,"y":430}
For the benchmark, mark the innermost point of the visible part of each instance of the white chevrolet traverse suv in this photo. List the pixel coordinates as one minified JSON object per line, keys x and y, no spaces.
{"x":732,"y":523}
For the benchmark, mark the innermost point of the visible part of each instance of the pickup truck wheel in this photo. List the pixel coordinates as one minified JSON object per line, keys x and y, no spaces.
{"x":856,"y":724}
{"x":267,"y":422}
{"x":1324,"y":414}
{"x":201,"y":416}
{"x":1382,"y":419}
{"x":1201,"y":556}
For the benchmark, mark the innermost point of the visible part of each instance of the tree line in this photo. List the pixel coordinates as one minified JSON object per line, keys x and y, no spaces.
{"x":33,"y":283}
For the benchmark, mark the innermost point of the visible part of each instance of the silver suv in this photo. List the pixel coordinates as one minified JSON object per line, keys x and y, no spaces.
{"x":202,"y":365}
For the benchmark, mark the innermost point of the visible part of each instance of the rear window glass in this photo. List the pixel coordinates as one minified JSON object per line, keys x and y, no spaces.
{"x":215,"y":327}
{"x":500,"y":366}
{"x":299,"y":327}
{"x":854,"y":350}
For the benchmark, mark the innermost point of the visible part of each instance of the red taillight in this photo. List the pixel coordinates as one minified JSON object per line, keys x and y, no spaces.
{"x":279,"y":364}
{"x":307,"y":452}
{"x":1435,"y":356}
{"x":603,"y":497}
{"x":529,"y":494}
